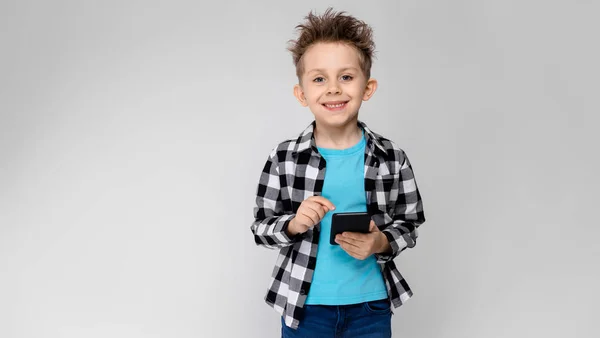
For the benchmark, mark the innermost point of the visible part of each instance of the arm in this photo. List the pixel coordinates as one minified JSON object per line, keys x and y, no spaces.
{"x":270,"y":223}
{"x":408,"y":215}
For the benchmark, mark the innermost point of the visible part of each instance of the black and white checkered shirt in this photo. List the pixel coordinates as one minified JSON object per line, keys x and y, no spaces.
{"x":295,"y":171}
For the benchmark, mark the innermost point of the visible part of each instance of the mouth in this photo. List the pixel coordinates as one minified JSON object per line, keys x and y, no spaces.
{"x":335,"y":105}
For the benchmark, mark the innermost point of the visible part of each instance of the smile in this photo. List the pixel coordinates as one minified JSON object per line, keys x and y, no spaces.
{"x":335,"y":105}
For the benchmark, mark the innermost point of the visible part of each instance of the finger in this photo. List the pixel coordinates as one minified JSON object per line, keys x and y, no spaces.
{"x":311,"y":215}
{"x":322,"y":207}
{"x":348,"y":242}
{"x":322,"y":200}
{"x":318,"y":208}
{"x":355,"y":236}
{"x":373,"y":227}
{"x":352,"y":251}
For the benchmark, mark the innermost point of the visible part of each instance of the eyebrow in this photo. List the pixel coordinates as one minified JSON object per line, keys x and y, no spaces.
{"x":319,"y":70}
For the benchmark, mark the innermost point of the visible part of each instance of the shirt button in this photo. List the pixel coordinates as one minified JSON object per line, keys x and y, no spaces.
{"x":303,"y":292}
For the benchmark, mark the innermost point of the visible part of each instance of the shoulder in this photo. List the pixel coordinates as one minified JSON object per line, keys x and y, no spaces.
{"x":298,"y":143}
{"x":283,"y":151}
{"x":393,"y":152}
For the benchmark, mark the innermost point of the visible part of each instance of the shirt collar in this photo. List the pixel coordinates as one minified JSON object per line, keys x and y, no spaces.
{"x":306,"y":140}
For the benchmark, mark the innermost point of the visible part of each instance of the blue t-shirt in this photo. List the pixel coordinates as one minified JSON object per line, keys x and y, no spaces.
{"x":340,"y":279}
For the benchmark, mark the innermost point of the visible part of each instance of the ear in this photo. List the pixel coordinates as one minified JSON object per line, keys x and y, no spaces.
{"x":370,"y":89}
{"x":299,"y":94}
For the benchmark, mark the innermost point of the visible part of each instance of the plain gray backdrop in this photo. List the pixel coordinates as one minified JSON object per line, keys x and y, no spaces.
{"x":132,"y":135}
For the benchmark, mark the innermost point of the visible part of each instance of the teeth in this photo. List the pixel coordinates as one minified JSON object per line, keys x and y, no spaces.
{"x":335,"y":105}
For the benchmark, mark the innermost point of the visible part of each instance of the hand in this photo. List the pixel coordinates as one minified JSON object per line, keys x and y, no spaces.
{"x":362,"y":246}
{"x":310,"y":212}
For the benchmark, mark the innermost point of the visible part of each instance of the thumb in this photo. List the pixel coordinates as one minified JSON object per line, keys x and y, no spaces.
{"x":373,"y":227}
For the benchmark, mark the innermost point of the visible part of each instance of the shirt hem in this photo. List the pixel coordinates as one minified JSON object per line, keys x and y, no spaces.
{"x":349,"y":300}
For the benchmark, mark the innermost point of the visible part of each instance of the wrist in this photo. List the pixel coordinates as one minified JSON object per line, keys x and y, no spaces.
{"x":384,"y":244}
{"x":291,"y":228}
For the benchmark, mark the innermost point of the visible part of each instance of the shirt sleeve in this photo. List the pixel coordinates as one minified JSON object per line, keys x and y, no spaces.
{"x":270,"y":222}
{"x":408,"y":214}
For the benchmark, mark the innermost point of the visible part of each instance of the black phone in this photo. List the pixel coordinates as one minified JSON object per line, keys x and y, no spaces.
{"x":349,"y":221}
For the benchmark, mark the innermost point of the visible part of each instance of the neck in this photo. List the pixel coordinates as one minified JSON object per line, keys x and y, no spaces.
{"x":341,"y":137}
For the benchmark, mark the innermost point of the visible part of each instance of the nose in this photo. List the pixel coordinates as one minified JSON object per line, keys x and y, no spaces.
{"x":334,"y":88}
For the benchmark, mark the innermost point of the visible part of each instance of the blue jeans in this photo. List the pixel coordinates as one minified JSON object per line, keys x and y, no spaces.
{"x":364,"y":320}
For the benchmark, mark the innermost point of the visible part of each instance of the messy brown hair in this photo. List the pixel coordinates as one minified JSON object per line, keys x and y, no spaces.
{"x":334,"y":26}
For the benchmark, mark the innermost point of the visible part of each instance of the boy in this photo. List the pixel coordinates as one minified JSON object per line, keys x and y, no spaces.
{"x":336,"y":165}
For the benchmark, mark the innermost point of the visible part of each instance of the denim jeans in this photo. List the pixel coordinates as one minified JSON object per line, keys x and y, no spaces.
{"x":364,"y":320}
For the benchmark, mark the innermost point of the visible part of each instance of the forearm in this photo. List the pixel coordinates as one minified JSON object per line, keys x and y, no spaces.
{"x":271,"y":232}
{"x":408,"y":215}
{"x":399,"y":236}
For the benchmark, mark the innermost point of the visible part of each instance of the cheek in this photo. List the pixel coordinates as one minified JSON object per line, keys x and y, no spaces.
{"x":313,"y":102}
{"x":355,"y":92}
{"x":312,"y":96}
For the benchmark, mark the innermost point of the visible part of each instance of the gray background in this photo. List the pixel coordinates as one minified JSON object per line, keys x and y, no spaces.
{"x":132,"y":135}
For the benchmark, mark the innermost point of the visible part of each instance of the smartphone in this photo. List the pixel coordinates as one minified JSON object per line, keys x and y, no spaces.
{"x":349,"y":221}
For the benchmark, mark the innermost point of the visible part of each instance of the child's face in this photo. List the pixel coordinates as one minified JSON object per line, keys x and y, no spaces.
{"x":333,"y":85}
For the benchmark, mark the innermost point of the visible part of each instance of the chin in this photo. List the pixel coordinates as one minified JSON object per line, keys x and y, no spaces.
{"x":336,"y":121}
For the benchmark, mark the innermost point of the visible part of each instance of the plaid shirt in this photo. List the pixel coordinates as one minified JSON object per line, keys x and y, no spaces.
{"x":295,"y":171}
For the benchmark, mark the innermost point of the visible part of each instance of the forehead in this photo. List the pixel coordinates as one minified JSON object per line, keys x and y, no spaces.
{"x":330,"y":56}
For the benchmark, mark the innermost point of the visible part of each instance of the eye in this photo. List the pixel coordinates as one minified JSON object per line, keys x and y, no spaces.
{"x":319,"y":79}
{"x":346,"y":77}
